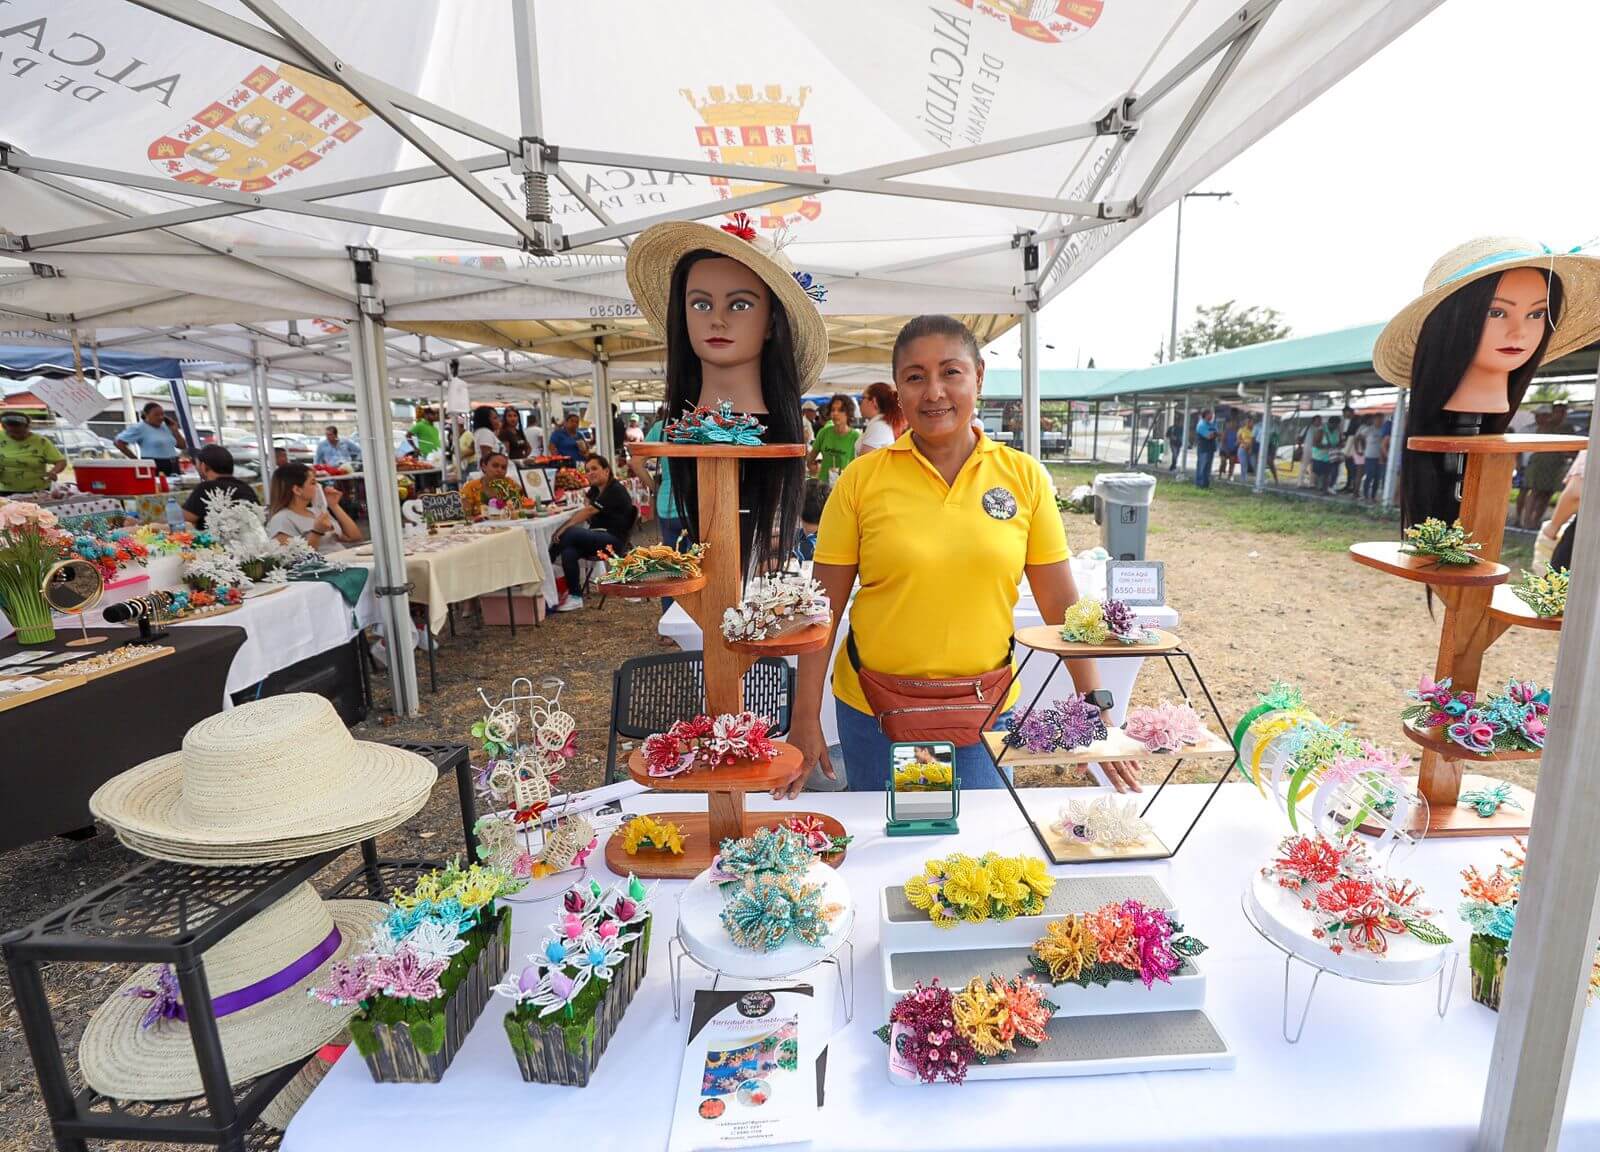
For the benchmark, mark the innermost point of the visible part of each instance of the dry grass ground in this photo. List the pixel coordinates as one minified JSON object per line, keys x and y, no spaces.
{"x":1264,"y":590}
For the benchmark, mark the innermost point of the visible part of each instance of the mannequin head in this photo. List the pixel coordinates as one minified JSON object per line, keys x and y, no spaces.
{"x":1476,"y":353}
{"x":722,"y":321}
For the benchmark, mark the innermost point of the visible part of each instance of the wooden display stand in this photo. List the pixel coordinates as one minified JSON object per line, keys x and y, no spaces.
{"x":1478,"y":610}
{"x":705,"y":599}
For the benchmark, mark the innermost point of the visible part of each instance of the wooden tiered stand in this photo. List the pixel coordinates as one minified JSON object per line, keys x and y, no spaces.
{"x":706,"y":598}
{"x":1478,"y":609}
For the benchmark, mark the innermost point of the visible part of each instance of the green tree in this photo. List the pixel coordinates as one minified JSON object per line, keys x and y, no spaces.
{"x":1545,"y":393}
{"x":1226,"y":325}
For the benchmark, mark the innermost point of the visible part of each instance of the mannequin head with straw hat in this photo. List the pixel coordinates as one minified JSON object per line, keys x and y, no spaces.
{"x":1491,"y":311}
{"x":741,"y":325}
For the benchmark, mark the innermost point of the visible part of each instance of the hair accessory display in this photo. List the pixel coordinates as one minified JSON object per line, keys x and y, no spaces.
{"x":1351,"y":904}
{"x":1514,"y":720}
{"x":816,"y":836}
{"x":771,"y":908}
{"x":647,"y":832}
{"x":1065,"y":725}
{"x":1168,"y":727}
{"x":1489,"y":799}
{"x":812,"y":287}
{"x":1104,"y":822}
{"x":741,"y":227}
{"x":1092,"y":621}
{"x":770,"y":851}
{"x":707,"y":743}
{"x":1546,"y":594}
{"x":719,"y":425}
{"x":1124,"y":941}
{"x":1446,"y":543}
{"x":938,"y":1033}
{"x":653,"y":562}
{"x":775,"y":605}
{"x":993,"y":887}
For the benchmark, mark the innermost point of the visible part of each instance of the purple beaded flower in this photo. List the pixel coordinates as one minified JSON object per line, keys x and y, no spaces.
{"x":1066,"y":725}
{"x":1119,"y":619}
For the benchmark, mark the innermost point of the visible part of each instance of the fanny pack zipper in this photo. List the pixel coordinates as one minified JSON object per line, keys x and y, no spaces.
{"x":934,"y":708}
{"x":977,"y":685}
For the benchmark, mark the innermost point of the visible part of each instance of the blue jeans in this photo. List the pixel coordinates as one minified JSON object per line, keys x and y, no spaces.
{"x":866,"y":753}
{"x":580,"y":543}
{"x":1204,"y":454}
{"x":1372,"y":477}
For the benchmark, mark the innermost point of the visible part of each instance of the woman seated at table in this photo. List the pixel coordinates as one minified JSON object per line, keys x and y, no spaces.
{"x":496,"y":483}
{"x":940,"y":527}
{"x":292,"y":513}
{"x":604,"y":522}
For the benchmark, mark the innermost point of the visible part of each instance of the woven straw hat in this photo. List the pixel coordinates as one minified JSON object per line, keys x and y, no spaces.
{"x":655,"y":254}
{"x":1578,"y":324}
{"x":129,"y":1062}
{"x":274,"y":779}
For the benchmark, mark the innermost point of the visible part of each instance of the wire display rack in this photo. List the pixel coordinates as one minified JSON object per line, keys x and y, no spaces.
{"x":165,"y":913}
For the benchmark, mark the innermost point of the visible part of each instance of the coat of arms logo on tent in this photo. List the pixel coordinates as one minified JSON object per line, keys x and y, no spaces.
{"x":1047,"y":21}
{"x":274,"y":123}
{"x":762,"y":129}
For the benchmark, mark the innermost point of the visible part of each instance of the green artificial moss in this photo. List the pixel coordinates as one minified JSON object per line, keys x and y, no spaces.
{"x":426,"y":1017}
{"x":577,"y":1020}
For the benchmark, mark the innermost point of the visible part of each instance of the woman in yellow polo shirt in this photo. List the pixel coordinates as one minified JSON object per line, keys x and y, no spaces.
{"x":939,"y":527}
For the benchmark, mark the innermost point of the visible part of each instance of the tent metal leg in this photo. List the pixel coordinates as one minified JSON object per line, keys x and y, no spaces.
{"x":1264,"y":441}
{"x":1030,"y":383}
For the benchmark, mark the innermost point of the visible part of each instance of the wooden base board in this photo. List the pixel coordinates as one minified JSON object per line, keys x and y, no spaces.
{"x":1064,"y":851}
{"x":1463,"y":820}
{"x":697,"y":847}
{"x":9,"y":700}
{"x":73,"y":671}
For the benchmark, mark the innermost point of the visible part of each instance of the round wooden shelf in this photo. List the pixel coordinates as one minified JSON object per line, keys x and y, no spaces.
{"x":1047,"y":638}
{"x":1385,"y":556}
{"x":718,"y":451}
{"x":1498,"y":444}
{"x":646,"y":589}
{"x":1463,"y":820}
{"x":1506,"y":608}
{"x":1448,"y":750}
{"x":744,"y":776}
{"x":801,"y":640}
{"x":697,"y":848}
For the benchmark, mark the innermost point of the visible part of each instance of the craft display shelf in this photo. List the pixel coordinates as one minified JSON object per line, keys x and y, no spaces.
{"x":1117,"y":744}
{"x":1121,"y":1027}
{"x":1478,"y":610}
{"x":721,"y":587}
{"x":164,"y":913}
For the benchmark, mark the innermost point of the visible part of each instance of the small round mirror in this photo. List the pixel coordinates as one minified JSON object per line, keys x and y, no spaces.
{"x":72,"y":587}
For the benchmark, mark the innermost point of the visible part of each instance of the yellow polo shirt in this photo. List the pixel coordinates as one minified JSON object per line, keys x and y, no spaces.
{"x":938,"y":564}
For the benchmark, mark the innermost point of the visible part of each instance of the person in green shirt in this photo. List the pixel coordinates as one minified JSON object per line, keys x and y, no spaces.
{"x":425,"y":433}
{"x":835,"y":442}
{"x":28,"y":462}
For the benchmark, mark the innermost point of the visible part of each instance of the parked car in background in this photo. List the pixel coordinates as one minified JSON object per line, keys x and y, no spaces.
{"x":77,"y":443}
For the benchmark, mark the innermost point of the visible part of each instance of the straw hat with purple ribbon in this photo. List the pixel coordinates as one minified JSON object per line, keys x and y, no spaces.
{"x":138,"y":1047}
{"x":1576,"y":326}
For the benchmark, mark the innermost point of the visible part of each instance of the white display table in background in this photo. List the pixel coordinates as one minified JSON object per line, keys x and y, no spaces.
{"x":1376,"y":1068}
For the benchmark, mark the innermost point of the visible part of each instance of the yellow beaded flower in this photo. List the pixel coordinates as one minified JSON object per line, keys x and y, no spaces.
{"x":647,"y":832}
{"x":1085,"y":623}
{"x":961,"y":889}
{"x":996,"y":1014}
{"x":1068,"y":947}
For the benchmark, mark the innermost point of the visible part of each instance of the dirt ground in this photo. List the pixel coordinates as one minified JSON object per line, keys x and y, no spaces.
{"x":1255,"y":607}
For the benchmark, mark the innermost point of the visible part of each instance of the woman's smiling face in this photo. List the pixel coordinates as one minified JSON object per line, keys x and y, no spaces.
{"x":938,"y":384}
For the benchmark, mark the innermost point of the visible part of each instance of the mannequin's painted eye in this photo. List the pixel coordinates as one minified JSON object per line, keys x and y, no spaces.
{"x":1497,"y":313}
{"x":1538,"y":314}
{"x":741,"y":306}
{"x":700,"y":305}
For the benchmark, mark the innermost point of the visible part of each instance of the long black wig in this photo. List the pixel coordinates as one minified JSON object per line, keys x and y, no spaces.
{"x":1446,"y":347}
{"x":770,"y":491}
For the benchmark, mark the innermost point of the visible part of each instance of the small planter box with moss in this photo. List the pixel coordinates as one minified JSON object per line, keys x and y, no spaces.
{"x":571,"y":996}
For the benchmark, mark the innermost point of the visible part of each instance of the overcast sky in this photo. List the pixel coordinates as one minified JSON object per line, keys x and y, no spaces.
{"x":1477,"y":121}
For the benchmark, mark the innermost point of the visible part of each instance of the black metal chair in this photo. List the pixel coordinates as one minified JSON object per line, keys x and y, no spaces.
{"x":651,"y":692}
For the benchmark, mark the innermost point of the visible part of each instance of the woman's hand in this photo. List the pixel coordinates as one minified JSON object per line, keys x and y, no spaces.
{"x":333,"y":495}
{"x":1123,"y":774}
{"x":324,"y":524}
{"x":807,"y":737}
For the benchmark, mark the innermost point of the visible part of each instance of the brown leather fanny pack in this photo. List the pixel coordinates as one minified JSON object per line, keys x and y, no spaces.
{"x":920,"y":709}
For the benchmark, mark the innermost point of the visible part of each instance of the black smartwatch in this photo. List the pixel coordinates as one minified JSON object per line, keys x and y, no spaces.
{"x":1100,"y":698}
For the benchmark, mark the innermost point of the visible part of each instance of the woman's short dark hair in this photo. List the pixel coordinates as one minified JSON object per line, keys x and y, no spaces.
{"x":481,"y":418}
{"x":604,"y":463}
{"x":217,"y":458}
{"x":149,"y":404}
{"x":502,"y":456}
{"x":934,"y":324}
{"x":817,"y":492}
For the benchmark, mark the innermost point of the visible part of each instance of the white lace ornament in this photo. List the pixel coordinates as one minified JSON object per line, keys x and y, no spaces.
{"x":1104,"y":823}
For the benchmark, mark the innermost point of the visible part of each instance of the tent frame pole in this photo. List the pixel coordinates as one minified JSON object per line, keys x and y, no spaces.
{"x":1264,"y":440}
{"x":262,"y":418}
{"x":1397,"y":441}
{"x":1183,"y":453}
{"x":1030,"y":383}
{"x":1094,"y":447}
{"x":1133,"y":435}
{"x":601,"y":404}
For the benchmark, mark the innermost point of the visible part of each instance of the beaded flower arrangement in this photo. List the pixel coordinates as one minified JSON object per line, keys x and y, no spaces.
{"x":1167,"y":727}
{"x":567,"y":977}
{"x":937,"y":1033}
{"x":769,"y":909}
{"x":647,"y":832}
{"x":775,"y":605}
{"x":816,"y":836}
{"x":213,"y":572}
{"x":744,"y":228}
{"x":161,"y":540}
{"x":1489,"y":905}
{"x":1546,"y":594}
{"x":719,"y":425}
{"x":992,"y":887}
{"x":184,"y":602}
{"x":1445,"y":544}
{"x":570,"y":480}
{"x":769,"y":851}
{"x":1092,"y":621}
{"x":1351,"y":905}
{"x":705,"y":742}
{"x":919,"y":777}
{"x":653,"y":562}
{"x":1118,"y":942}
{"x":418,"y":956}
{"x":1489,"y":799}
{"x":1103,"y":822}
{"x":1513,"y":720}
{"x":110,"y":551}
{"x":1061,"y":727}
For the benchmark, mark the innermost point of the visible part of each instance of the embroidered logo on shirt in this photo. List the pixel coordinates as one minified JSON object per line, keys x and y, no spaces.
{"x":999,"y":503}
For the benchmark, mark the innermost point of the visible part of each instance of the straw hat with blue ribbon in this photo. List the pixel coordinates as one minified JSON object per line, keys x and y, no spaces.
{"x":1578,"y":324}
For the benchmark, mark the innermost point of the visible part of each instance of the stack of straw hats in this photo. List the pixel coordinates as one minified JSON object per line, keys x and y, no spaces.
{"x":276,"y":779}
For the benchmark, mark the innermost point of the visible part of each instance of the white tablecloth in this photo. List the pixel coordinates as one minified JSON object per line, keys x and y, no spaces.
{"x":540,"y":530}
{"x":1376,"y":1067}
{"x":1116,"y":676}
